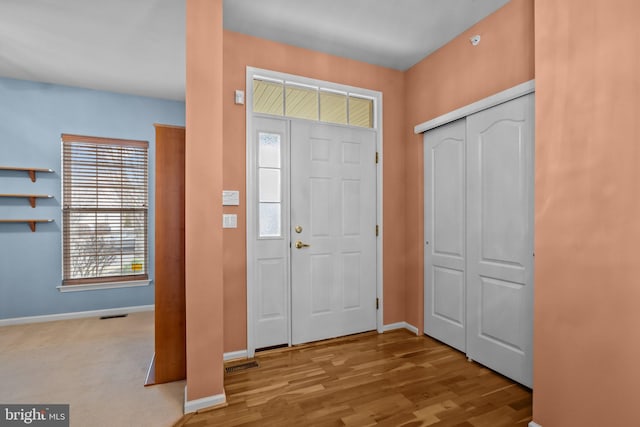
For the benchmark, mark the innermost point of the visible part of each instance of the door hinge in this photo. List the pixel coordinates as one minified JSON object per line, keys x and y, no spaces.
{"x":377,"y":303}
{"x":377,"y":157}
{"x":377,"y":230}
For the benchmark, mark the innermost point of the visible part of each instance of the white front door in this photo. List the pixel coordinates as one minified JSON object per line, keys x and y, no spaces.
{"x":500,"y":224}
{"x":332,"y":231}
{"x":444,"y":229}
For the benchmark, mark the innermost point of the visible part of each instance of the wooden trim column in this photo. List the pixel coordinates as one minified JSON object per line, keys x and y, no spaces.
{"x":170,"y":323}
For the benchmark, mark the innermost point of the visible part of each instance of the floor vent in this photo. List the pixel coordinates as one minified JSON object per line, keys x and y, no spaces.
{"x":241,"y":367}
{"x":115,"y":316}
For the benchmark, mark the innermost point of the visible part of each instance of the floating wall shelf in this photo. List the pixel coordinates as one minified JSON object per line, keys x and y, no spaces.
{"x":32,"y":197}
{"x":30,"y":171}
{"x":32,"y":222}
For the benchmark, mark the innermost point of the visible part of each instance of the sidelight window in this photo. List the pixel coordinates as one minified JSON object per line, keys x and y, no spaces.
{"x":270,"y":184}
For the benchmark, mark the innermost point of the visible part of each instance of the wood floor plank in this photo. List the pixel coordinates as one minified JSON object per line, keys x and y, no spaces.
{"x":391,"y":379}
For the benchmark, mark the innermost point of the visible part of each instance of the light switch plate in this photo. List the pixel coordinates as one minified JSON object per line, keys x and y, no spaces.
{"x":229,"y":221}
{"x":239,"y":97}
{"x":230,"y":198}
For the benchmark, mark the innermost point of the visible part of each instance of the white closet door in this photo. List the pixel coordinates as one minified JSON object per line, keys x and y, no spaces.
{"x":500,"y":154}
{"x":444,"y":225}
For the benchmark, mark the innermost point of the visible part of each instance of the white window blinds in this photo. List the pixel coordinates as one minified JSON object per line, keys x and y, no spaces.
{"x":105,"y":211}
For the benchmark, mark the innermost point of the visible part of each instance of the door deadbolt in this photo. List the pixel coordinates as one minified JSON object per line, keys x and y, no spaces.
{"x":298,"y":229}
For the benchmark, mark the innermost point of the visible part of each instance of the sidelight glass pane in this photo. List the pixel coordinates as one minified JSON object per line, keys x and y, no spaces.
{"x":333,"y":107}
{"x":268,"y":97}
{"x":270,"y":220}
{"x":360,"y":112}
{"x":269,"y":150}
{"x":269,"y":185}
{"x":302,"y":103}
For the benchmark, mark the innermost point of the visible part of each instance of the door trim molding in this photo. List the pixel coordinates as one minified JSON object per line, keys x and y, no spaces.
{"x":491,"y":101}
{"x":250,"y":192}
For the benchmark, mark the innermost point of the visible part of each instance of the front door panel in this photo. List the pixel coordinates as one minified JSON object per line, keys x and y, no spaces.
{"x":333,"y":214}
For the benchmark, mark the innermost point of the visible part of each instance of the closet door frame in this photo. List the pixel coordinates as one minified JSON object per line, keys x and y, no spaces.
{"x":462,"y":113}
{"x":491,"y":101}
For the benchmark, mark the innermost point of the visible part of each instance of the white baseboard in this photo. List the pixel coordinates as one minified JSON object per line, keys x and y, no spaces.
{"x":400,"y":325}
{"x":76,"y":315}
{"x":203,"y":403}
{"x":233,"y":355}
{"x":532,"y":424}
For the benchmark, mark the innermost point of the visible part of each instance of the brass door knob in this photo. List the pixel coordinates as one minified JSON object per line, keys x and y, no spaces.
{"x":301,"y":245}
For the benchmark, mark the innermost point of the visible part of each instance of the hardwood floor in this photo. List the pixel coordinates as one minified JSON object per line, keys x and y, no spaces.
{"x":391,"y":379}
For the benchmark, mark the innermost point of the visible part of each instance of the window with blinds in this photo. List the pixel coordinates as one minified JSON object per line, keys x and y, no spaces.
{"x":105,"y":211}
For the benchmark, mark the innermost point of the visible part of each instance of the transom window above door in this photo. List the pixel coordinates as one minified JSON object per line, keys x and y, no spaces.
{"x":297,"y":100}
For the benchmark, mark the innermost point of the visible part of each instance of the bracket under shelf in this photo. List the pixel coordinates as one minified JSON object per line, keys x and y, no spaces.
{"x":30,"y":171}
{"x":32,"y":197}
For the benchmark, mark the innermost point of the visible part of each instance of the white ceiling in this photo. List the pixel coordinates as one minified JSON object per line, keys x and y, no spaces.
{"x":138,"y":46}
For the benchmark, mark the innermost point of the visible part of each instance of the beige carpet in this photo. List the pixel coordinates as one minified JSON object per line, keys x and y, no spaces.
{"x":96,"y":366}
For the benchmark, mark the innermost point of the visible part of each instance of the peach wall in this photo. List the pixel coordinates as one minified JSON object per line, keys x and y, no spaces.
{"x":587,"y":296}
{"x":203,"y":213}
{"x":241,"y":51}
{"x":452,"y":77}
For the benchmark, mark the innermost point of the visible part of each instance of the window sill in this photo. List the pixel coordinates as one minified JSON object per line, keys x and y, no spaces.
{"x":102,"y":286}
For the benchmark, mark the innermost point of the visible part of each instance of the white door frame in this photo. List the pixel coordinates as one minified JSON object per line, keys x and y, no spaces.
{"x":251,"y":191}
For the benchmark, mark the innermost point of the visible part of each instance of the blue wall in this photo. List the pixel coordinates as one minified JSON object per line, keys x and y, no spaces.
{"x":32,"y":117}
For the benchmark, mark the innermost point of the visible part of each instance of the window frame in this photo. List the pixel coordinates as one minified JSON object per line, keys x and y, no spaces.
{"x":104,"y":281}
